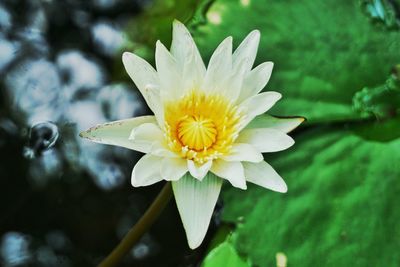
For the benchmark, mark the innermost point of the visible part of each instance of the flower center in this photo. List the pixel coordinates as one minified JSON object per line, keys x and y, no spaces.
{"x":197,"y":132}
{"x":200,"y":126}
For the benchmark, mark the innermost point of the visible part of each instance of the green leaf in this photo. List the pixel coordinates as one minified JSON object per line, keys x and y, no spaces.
{"x":341,"y":208}
{"x":324,"y":51}
{"x":224,"y":255}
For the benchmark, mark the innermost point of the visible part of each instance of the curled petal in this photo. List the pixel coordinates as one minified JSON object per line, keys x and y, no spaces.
{"x":146,"y":172}
{"x":172,"y":169}
{"x":266,"y":139}
{"x":257,"y":105}
{"x":146,"y":136}
{"x":198,"y":171}
{"x":243,"y":152}
{"x":231,"y":171}
{"x":264,"y":175}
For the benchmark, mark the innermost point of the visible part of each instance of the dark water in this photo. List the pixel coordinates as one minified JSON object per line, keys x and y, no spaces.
{"x":65,"y":201}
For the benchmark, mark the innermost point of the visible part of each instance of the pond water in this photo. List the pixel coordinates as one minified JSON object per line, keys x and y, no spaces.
{"x":65,"y":201}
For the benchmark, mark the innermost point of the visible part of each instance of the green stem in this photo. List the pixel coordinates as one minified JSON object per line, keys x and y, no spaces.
{"x":139,"y":228}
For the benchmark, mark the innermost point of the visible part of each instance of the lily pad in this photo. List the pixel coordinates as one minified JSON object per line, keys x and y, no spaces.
{"x":224,"y":255}
{"x":324,"y":51}
{"x":340,"y":210}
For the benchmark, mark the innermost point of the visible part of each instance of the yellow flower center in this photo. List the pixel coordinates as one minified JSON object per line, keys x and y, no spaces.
{"x":200,"y":126}
{"x":197,"y":132}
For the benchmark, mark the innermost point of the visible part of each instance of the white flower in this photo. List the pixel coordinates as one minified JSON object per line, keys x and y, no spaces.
{"x":198,"y":135}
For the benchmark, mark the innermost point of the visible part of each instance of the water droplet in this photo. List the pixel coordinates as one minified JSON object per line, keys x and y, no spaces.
{"x":42,"y":136}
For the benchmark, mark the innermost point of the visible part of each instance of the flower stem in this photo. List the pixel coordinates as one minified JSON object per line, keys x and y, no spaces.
{"x":139,"y":228}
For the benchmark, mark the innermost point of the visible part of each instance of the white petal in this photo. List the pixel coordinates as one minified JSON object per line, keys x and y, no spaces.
{"x":234,"y":84}
{"x":243,"y":152}
{"x":168,"y":73}
{"x":146,"y":171}
{"x":173,"y":169}
{"x":256,"y":80}
{"x":247,"y":50}
{"x":183,"y":46}
{"x":264,"y":175}
{"x":266,"y":139}
{"x":257,"y":105}
{"x":231,"y":171}
{"x":117,"y":133}
{"x":281,"y":124}
{"x":219,"y":67}
{"x":196,"y":202}
{"x":146,"y":136}
{"x":198,"y":171}
{"x":143,"y":75}
{"x":193,"y":71}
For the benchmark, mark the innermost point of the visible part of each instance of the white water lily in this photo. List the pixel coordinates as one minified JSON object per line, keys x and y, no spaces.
{"x":200,"y":134}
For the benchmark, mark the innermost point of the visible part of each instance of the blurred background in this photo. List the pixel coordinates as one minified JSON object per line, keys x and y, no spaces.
{"x":67,"y":202}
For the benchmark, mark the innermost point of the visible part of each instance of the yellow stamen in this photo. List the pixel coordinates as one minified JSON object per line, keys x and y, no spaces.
{"x":201,"y":126}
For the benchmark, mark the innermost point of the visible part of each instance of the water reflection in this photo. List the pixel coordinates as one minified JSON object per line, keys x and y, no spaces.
{"x":107,"y":37}
{"x":15,"y":249}
{"x":79,"y":72}
{"x":33,"y":87}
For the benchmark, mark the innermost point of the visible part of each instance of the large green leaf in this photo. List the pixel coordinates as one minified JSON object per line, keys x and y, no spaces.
{"x":324,"y":51}
{"x":341,"y":208}
{"x":224,"y":255}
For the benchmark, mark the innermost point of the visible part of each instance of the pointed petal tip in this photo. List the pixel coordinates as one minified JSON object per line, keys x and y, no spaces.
{"x":126,"y":56}
{"x":86,"y":134}
{"x":177,"y":22}
{"x":255,"y":33}
{"x":283,"y":189}
{"x":278,"y":96}
{"x":193,"y":244}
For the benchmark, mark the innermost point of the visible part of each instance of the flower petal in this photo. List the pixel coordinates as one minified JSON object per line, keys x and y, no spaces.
{"x":168,"y":73}
{"x":117,"y":133}
{"x":198,"y":171}
{"x":256,"y":80}
{"x":264,"y":175}
{"x":243,"y":152}
{"x":266,"y":139}
{"x":145,"y":171}
{"x":231,"y":171}
{"x":285,"y":125}
{"x":219,"y":67}
{"x":173,"y":169}
{"x":247,"y":50}
{"x":146,"y":136}
{"x":196,"y":202}
{"x":234,"y":84}
{"x":193,"y":71}
{"x":144,"y":76}
{"x":257,"y":105}
{"x":183,"y":46}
